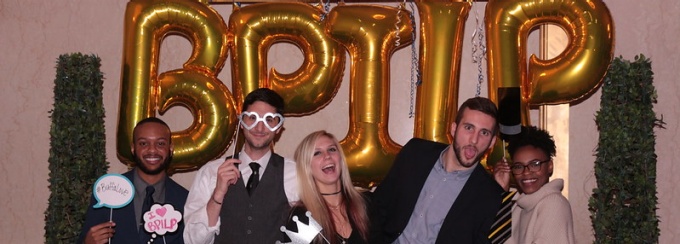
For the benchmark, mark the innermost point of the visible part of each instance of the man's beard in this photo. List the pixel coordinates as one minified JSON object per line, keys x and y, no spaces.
{"x":161,"y":168}
{"x":457,"y":149}
{"x":265,"y":145}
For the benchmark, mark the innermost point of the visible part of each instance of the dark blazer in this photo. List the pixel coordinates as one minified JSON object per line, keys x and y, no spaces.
{"x":126,"y":224}
{"x":470,"y":216}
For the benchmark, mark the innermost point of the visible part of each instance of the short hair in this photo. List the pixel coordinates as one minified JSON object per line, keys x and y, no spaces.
{"x":150,"y":120}
{"x":264,"y":95}
{"x":532,"y":136}
{"x":481,"y":104}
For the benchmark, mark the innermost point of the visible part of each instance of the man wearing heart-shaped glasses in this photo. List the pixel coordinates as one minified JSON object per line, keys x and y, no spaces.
{"x":245,"y":198}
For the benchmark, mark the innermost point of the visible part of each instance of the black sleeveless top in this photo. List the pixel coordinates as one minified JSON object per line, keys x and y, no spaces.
{"x":299,"y":211}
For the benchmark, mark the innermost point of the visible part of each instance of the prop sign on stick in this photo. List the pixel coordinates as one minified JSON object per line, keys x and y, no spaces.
{"x":306,"y":233}
{"x":113,"y":191}
{"x":161,"y":219}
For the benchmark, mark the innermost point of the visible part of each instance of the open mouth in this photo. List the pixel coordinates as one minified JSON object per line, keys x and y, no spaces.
{"x":470,"y":152}
{"x":529,"y":181}
{"x":328,"y":169}
{"x":153,"y":159}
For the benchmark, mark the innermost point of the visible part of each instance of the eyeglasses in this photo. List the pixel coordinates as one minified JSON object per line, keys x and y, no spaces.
{"x":533,"y":166}
{"x":272,"y":121}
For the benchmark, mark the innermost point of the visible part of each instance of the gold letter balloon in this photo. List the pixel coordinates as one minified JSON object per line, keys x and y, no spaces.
{"x":194,"y":86}
{"x":441,"y":41}
{"x":576,"y":72}
{"x":259,"y":26}
{"x":573,"y":74}
{"x":369,"y":33}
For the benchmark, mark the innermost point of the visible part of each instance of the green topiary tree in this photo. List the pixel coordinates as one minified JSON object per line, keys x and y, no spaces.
{"x":623,"y":206}
{"x":77,"y":145}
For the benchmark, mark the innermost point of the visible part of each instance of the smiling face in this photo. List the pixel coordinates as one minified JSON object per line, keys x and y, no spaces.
{"x":529,"y":182}
{"x":259,"y":137}
{"x":325,"y":165}
{"x":472,"y":137}
{"x":152,"y":148}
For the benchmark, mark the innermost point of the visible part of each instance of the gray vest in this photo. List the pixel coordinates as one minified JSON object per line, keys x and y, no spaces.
{"x":255,"y":219}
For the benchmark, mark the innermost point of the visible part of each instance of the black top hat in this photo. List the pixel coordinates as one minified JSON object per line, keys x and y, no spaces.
{"x":509,"y":111}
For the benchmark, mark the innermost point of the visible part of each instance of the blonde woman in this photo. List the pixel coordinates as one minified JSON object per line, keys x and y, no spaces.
{"x":327,"y":192}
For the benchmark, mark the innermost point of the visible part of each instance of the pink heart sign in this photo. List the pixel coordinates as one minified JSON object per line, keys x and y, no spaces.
{"x":161,"y":211}
{"x":161,"y":219}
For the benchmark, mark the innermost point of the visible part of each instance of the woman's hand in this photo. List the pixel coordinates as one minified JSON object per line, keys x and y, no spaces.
{"x":501,"y":172}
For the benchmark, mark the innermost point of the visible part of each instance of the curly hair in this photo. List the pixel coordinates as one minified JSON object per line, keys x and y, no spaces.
{"x":532,"y":136}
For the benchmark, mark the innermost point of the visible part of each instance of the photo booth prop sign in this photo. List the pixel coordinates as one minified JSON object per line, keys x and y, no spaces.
{"x":161,"y":219}
{"x":113,"y":191}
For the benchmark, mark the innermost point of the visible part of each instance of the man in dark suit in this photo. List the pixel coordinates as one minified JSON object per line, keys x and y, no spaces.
{"x":152,"y":150}
{"x":438,"y":193}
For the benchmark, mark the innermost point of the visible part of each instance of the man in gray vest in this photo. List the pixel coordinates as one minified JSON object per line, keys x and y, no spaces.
{"x":245,"y":198}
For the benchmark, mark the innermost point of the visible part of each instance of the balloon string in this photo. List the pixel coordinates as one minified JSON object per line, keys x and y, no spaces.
{"x":326,"y":8}
{"x":397,"y":39}
{"x":478,"y":52}
{"x":415,"y":72}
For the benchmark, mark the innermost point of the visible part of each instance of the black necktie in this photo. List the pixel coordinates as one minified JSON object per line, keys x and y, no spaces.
{"x":146,"y":206}
{"x":254,"y":178}
{"x":501,"y":228}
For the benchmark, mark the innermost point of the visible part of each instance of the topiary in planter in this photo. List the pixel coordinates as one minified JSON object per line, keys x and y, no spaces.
{"x":77,"y":145}
{"x":623,"y":206}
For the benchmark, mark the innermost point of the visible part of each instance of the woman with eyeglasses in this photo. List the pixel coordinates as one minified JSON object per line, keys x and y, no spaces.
{"x":541,"y":213}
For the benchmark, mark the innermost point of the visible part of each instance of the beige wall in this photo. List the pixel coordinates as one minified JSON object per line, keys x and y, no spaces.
{"x":34,"y":33}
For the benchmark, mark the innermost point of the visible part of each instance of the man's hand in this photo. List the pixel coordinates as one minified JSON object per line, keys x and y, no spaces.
{"x":501,"y":172}
{"x":100,"y":233}
{"x":227,"y":175}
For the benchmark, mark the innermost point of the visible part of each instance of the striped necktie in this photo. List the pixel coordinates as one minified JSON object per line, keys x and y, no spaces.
{"x":500,"y":230}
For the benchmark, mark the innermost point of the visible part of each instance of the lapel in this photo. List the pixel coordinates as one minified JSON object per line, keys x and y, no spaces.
{"x":431,"y":156}
{"x":426,"y":155}
{"x":174,"y":196}
{"x":125,"y":220}
{"x":269,"y":173}
{"x":272,"y":167}
{"x":466,"y":198}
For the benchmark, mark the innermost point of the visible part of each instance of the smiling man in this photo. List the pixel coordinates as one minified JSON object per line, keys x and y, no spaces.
{"x":245,"y":198}
{"x":152,"y":150}
{"x":438,"y":193}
